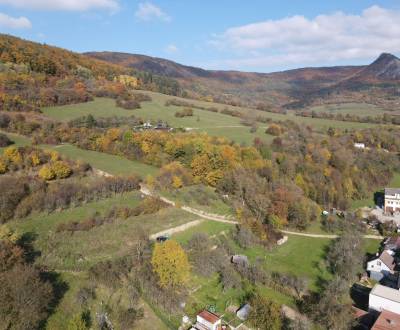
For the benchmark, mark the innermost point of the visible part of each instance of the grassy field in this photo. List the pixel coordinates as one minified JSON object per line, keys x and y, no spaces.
{"x":115,"y":165}
{"x":203,"y":121}
{"x":213,"y":123}
{"x":79,"y":251}
{"x":18,"y":140}
{"x":359,"y":109}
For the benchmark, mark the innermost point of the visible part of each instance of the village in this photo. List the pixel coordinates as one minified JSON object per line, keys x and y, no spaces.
{"x":376,"y":296}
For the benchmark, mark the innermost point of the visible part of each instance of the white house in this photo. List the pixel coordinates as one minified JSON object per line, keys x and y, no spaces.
{"x":383,"y":266}
{"x":392,"y":200}
{"x":384,"y":298}
{"x":207,"y":321}
{"x":359,"y":145}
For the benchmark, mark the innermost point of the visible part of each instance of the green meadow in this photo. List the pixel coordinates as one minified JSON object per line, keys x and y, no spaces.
{"x":216,"y":124}
{"x":116,"y":165}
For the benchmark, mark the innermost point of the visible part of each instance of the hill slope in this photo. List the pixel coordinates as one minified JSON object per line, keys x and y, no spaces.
{"x":293,"y":88}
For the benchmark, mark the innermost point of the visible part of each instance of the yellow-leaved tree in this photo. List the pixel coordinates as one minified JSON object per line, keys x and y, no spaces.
{"x":170,"y":263}
{"x":61,"y":169}
{"x":47,"y":173}
{"x":3,"y":166}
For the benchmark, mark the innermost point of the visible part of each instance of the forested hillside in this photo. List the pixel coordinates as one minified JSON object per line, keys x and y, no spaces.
{"x":33,"y":75}
{"x":292,"y":89}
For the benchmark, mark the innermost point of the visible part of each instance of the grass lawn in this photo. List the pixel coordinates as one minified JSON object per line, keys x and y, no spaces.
{"x":359,"y":109}
{"x":19,"y":140}
{"x":112,"y":164}
{"x":300,"y":256}
{"x":371,"y":246}
{"x":395,"y":182}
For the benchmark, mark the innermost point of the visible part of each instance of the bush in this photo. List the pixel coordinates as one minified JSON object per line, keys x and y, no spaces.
{"x":127,"y":102}
{"x":186,"y":112}
{"x":274,"y":130}
{"x":61,"y":170}
{"x":4,"y":141}
{"x":47,"y":173}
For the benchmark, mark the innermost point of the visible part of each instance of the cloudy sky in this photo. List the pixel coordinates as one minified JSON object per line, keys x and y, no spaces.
{"x":254,"y":35}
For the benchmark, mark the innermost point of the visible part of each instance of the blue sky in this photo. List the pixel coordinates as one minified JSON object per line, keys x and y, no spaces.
{"x":241,"y":35}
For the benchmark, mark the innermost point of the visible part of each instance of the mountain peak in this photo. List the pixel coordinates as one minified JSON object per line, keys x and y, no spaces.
{"x":386,"y":57}
{"x":386,"y":67}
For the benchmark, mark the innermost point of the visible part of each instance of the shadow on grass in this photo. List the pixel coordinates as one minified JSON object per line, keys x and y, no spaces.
{"x":26,"y":243}
{"x":60,"y":287}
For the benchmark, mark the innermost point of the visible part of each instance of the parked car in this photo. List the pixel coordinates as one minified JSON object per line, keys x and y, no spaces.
{"x":162,"y":238}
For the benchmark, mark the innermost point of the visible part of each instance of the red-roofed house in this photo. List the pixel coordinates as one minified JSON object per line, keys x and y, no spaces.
{"x":207,"y":321}
{"x":387,"y":321}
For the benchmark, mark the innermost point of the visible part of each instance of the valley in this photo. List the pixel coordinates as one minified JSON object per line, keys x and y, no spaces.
{"x":138,"y":193}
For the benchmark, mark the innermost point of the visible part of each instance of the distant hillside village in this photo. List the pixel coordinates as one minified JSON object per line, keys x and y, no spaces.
{"x":381,"y":305}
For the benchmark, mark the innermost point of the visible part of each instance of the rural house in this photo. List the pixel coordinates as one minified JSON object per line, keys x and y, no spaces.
{"x":382,"y":267}
{"x":207,"y":321}
{"x":392,"y":200}
{"x":384,"y":298}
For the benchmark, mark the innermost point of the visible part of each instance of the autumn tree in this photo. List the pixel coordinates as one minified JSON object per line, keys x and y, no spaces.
{"x":170,"y":263}
{"x":25,"y":297}
{"x":264,"y":313}
{"x":274,"y":129}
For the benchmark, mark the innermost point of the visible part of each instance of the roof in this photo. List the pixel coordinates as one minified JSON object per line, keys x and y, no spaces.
{"x":394,"y":240}
{"x":239,"y":259}
{"x":388,"y":260}
{"x":386,"y":293}
{"x":208,"y":316}
{"x":243,"y":312}
{"x":387,"y":321}
{"x":392,"y":191}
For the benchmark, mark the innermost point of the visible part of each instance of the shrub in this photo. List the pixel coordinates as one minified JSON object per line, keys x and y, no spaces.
{"x":274,"y":129}
{"x":4,"y":140}
{"x":61,"y":170}
{"x":47,"y":173}
{"x":186,"y":112}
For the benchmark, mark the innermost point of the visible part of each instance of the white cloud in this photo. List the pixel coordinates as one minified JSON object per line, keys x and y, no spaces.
{"x":14,"y":23}
{"x":68,"y":5}
{"x":171,"y":49}
{"x":325,"y":38}
{"x":147,"y":11}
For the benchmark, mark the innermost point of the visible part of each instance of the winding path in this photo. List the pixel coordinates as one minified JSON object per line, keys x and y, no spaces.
{"x":214,"y":217}
{"x":377,"y":237}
